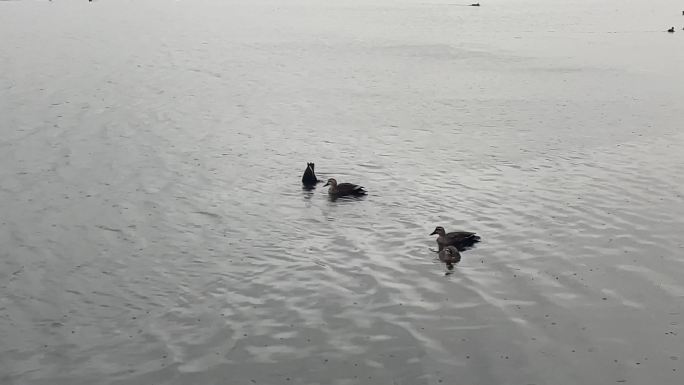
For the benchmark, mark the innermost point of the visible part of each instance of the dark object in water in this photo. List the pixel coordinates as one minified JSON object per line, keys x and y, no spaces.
{"x":475,"y":5}
{"x":309,"y":177}
{"x":462,"y":240}
{"x":450,"y":256}
{"x":671,"y":30}
{"x":344,"y":189}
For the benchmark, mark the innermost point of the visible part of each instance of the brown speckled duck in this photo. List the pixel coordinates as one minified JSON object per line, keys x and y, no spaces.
{"x":460,"y":239}
{"x":344,"y":189}
{"x":450,"y":256}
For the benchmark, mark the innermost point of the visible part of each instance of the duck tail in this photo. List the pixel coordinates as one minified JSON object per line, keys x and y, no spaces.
{"x":471,"y":241}
{"x":309,"y":177}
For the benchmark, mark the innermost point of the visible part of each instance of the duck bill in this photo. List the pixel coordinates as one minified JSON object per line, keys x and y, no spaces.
{"x":434,"y":232}
{"x":326,"y":184}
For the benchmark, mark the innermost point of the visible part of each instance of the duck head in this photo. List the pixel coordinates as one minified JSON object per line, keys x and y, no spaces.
{"x":439,"y":230}
{"x":331,"y":182}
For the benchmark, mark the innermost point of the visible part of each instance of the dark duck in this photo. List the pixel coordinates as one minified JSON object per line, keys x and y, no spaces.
{"x":450,"y":256}
{"x":309,"y":177}
{"x":462,"y":240}
{"x":344,"y":189}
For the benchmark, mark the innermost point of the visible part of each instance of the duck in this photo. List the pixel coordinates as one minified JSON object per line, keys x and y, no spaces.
{"x":462,"y":240}
{"x":450,"y":256}
{"x":309,"y":177}
{"x":475,"y":5}
{"x":671,"y":30}
{"x":344,"y":189}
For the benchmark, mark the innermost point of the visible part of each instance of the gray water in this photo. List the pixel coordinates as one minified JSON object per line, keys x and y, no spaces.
{"x":154,"y":229}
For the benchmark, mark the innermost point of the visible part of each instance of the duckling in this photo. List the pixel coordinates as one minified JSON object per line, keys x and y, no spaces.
{"x":344,"y":189}
{"x":671,"y":30}
{"x":461,"y":239}
{"x":309,"y":177}
{"x":450,"y":256}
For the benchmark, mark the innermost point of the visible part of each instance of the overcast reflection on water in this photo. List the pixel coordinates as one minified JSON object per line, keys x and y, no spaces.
{"x":154,"y":229}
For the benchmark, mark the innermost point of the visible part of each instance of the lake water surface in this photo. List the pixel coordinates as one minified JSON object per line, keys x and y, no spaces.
{"x":154,"y":229}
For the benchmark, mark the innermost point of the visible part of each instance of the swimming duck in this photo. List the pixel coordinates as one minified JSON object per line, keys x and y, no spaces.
{"x":309,"y":177}
{"x":475,"y":5}
{"x":344,"y":189}
{"x":450,"y":256}
{"x":671,"y":30}
{"x":461,"y":239}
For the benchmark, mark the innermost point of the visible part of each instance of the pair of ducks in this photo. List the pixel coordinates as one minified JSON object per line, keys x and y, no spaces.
{"x":451,"y":244}
{"x":336,"y":189}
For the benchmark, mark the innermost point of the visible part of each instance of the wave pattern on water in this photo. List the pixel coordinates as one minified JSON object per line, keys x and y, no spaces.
{"x":154,"y":229}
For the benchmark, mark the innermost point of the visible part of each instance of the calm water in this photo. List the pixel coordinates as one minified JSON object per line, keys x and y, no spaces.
{"x":154,"y":230}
